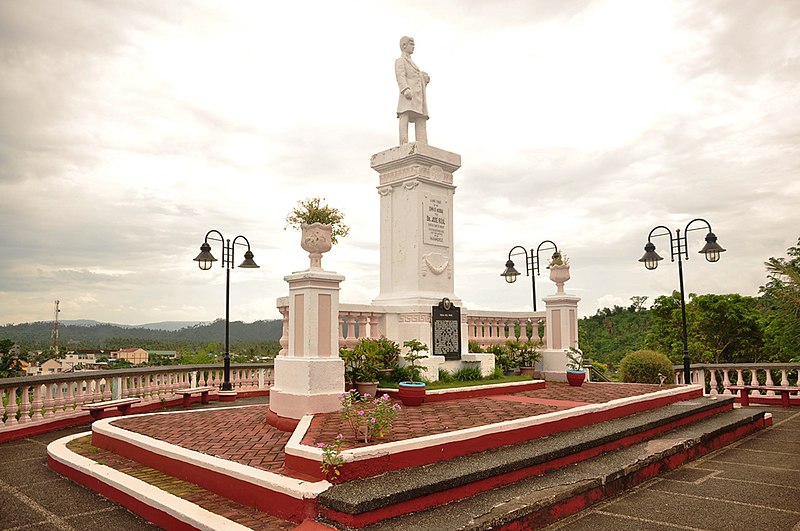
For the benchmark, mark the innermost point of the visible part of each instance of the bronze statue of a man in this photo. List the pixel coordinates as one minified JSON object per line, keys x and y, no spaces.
{"x":412,"y":105}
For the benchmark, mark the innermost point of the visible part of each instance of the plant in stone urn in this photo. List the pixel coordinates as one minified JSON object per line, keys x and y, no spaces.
{"x":559,"y":270}
{"x":320,"y":226}
{"x":412,"y":393}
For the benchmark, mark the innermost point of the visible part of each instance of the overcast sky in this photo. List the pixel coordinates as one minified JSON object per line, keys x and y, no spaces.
{"x":128,"y":129}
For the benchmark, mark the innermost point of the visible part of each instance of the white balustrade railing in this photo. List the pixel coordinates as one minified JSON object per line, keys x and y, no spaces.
{"x":32,"y":400}
{"x":486,"y":328}
{"x":718,"y":377}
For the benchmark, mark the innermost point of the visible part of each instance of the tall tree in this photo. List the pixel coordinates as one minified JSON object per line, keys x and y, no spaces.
{"x":10,"y":358}
{"x":781,"y":305}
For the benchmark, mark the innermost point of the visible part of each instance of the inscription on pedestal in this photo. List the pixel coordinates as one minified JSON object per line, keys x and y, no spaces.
{"x":435,"y":213}
{"x":446,"y":333}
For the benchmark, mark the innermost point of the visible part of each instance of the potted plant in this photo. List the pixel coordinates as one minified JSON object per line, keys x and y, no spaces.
{"x":320,"y":226}
{"x":575,"y":371}
{"x":388,"y":354}
{"x":526,"y":355}
{"x":412,"y":392}
{"x":366,"y":367}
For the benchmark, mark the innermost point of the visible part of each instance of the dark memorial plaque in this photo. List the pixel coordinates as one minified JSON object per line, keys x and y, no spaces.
{"x":446,"y":323}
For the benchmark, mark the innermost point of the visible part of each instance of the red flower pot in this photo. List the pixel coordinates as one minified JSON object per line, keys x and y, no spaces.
{"x":411,"y":393}
{"x":576,"y":378}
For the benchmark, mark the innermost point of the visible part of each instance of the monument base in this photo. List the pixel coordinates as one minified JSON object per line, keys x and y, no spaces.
{"x":554,"y":365}
{"x":305,"y":386}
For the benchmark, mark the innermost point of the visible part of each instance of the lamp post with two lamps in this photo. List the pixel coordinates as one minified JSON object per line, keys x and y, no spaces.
{"x":205,"y":260}
{"x":679,"y":247}
{"x":531,"y":265}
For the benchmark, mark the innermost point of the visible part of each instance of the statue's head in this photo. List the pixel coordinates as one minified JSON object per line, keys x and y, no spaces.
{"x":405,"y":42}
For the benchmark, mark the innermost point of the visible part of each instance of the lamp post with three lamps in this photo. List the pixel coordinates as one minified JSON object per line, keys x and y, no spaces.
{"x":679,"y":248}
{"x":531,"y":265}
{"x":205,"y":260}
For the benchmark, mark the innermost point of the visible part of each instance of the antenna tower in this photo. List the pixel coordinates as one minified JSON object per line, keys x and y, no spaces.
{"x":54,"y":333}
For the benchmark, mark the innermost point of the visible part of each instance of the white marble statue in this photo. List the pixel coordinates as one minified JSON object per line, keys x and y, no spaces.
{"x":412,"y":105}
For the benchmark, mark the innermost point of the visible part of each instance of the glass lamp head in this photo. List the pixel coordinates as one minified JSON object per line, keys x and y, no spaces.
{"x":650,"y":257}
{"x":711,"y":249}
{"x":510,"y":274}
{"x":205,"y":259}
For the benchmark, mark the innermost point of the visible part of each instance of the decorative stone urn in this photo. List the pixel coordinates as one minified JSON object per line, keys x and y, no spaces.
{"x":315,"y":239}
{"x":559,"y":274}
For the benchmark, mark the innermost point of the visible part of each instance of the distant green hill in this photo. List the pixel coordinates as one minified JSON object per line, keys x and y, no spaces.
{"x":36,"y":336}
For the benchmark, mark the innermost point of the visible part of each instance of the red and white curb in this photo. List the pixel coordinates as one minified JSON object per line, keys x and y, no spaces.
{"x":115,"y":482}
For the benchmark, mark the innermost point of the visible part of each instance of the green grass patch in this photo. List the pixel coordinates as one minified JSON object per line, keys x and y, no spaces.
{"x":467,"y":383}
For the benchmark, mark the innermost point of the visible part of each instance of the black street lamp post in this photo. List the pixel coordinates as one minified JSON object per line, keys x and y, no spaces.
{"x":531,"y":265}
{"x":679,"y":248}
{"x":205,"y":260}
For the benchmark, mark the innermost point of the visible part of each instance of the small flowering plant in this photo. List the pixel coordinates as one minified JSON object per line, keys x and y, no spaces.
{"x":367,"y":417}
{"x":332,"y":459}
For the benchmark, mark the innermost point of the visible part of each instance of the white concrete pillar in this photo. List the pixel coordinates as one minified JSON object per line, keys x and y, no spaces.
{"x":561,"y":333}
{"x":309,"y":377}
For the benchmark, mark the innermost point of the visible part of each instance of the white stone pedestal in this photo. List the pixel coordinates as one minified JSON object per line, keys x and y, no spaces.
{"x":416,"y":245}
{"x":416,"y":249}
{"x":560,"y":334}
{"x":310,"y":377}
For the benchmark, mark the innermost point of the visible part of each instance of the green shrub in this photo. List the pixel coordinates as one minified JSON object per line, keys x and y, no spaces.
{"x":467,"y":373}
{"x":445,"y":376}
{"x":474,"y":346}
{"x":502,"y":357}
{"x":644,"y":366}
{"x":498,"y":374}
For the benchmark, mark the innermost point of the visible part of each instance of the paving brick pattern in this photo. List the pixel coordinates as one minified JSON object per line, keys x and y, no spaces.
{"x":242,"y":434}
{"x":238,"y":513}
{"x":442,"y":417}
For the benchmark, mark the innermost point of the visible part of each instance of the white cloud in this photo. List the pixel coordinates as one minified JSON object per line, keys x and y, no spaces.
{"x":128,"y":130}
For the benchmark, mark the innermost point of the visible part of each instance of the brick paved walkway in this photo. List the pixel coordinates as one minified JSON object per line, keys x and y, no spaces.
{"x":242,"y":434}
{"x":246,"y":516}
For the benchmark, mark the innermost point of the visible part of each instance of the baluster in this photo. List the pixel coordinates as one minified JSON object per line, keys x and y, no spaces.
{"x":80,"y":396}
{"x":163,"y":385}
{"x":362,"y":325}
{"x":768,"y":381}
{"x":37,"y":402}
{"x":11,"y":407}
{"x":713,"y":382}
{"x":145,"y":387}
{"x":544,"y":333}
{"x":351,"y":330}
{"x":70,"y":397}
{"x":106,"y":387}
{"x":785,"y":378}
{"x":726,"y":382}
{"x":125,"y":387}
{"x":25,"y":406}
{"x":60,"y":398}
{"x":374,"y":326}
{"x":49,"y":402}
{"x":754,"y":381}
